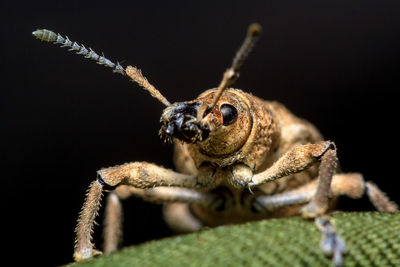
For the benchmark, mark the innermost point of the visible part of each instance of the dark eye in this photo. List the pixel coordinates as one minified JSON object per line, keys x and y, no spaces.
{"x":229,"y":113}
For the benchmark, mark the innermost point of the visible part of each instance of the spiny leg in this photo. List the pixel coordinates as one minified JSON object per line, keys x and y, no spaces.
{"x":113,"y":215}
{"x":294,"y":161}
{"x":298,"y":159}
{"x":351,"y":184}
{"x":138,"y":174}
{"x":84,"y":229}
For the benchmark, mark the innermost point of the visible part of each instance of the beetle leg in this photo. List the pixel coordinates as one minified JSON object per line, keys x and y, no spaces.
{"x":113,"y":214}
{"x":112,"y":230}
{"x":331,"y":243}
{"x":83,"y":241}
{"x":293,"y":161}
{"x":180,"y":218}
{"x":299,"y":159}
{"x":165,"y":194}
{"x":379,"y":199}
{"x":349,"y":184}
{"x":319,"y":203}
{"x":138,"y":174}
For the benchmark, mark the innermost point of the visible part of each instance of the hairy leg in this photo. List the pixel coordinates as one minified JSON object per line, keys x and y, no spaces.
{"x":352,"y":185}
{"x":379,"y":199}
{"x":137,"y":174}
{"x":294,"y":161}
{"x":299,"y":159}
{"x":113,"y":219}
{"x":349,"y":184}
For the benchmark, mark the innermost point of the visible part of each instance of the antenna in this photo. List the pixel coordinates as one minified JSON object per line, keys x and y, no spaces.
{"x":133,"y":73}
{"x":137,"y":76}
{"x":52,"y":37}
{"x":231,"y":74}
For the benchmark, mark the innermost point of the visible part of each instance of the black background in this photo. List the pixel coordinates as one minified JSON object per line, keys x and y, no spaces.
{"x":334,"y":63}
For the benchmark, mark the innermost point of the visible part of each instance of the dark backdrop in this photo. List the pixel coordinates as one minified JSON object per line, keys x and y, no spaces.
{"x":64,"y":117}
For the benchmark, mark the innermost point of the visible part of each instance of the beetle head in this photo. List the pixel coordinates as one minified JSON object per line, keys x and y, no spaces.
{"x":215,"y":113}
{"x":221,"y":129}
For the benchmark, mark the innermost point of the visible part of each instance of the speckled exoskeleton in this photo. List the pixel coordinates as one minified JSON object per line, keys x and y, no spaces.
{"x":238,"y":158}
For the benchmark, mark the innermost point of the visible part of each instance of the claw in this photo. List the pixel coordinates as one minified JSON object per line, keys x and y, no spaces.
{"x":331,"y":243}
{"x":312,"y":211}
{"x":86,"y":254}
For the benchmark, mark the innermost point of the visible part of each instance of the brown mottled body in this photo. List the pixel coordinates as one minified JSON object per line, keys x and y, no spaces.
{"x":268,"y":131}
{"x":239,"y":158}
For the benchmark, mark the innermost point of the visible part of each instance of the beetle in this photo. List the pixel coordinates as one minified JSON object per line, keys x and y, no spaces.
{"x":238,"y":158}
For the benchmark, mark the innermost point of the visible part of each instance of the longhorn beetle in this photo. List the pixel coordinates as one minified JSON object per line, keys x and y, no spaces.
{"x":238,"y":158}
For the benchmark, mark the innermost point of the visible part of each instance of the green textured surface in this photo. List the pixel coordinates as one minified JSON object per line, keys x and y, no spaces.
{"x":372,"y":238}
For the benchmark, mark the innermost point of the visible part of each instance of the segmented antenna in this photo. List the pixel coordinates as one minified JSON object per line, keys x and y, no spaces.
{"x":231,"y":74}
{"x":49,"y":36}
{"x":136,"y":75}
{"x":132,"y":72}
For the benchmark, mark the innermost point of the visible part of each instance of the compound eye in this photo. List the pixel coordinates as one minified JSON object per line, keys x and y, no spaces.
{"x":229,"y":114}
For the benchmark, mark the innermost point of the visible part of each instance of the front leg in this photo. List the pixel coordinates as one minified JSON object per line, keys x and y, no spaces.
{"x":352,"y":185}
{"x":137,"y":174}
{"x":145,"y":175}
{"x":299,"y":159}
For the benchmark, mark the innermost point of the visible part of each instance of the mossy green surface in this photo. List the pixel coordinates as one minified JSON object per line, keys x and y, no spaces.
{"x":372,"y":238}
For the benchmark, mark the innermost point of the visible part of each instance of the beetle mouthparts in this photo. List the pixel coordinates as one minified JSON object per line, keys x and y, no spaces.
{"x":180,"y":121}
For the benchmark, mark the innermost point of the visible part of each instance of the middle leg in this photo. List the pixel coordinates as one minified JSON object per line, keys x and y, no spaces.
{"x":113,"y":216}
{"x":349,"y":184}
